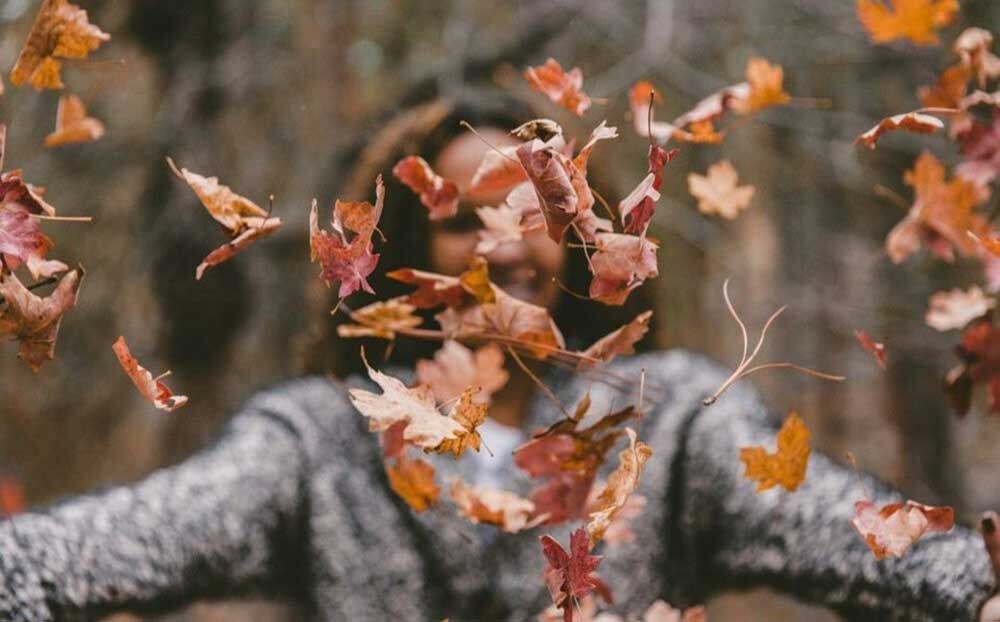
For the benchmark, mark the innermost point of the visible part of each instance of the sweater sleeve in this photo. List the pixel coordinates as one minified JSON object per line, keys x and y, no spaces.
{"x":225,"y":521}
{"x":803,"y":542}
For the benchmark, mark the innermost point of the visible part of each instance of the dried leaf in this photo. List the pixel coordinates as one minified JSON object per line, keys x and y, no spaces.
{"x":787,"y":466}
{"x":60,"y":30}
{"x":563,"y":88}
{"x":433,"y":289}
{"x":622,"y":263}
{"x":875,"y":348}
{"x":73,"y":125}
{"x":476,"y":281}
{"x":348,"y":263}
{"x":766,"y":87}
{"x":718,"y":192}
{"x":973,"y":49}
{"x":550,"y":174}
{"x":523,"y":321}
{"x":642,"y":97}
{"x":413,"y":480}
{"x":910,"y":121}
{"x":499,"y":170}
{"x":620,"y":341}
{"x":34,"y":321}
{"x":492,"y":506}
{"x":948,"y":310}
{"x":621,"y":484}
{"x":151,"y":388}
{"x":381,"y":319}
{"x":636,"y":210}
{"x":979,"y":351}
{"x":437,"y":194}
{"x":542,"y":129}
{"x":21,"y":237}
{"x":469,"y":414}
{"x":229,"y":209}
{"x":570,"y":576}
{"x":894,"y":528}
{"x":456,"y":367}
{"x":601,"y":132}
{"x":915,"y":20}
{"x":501,"y":225}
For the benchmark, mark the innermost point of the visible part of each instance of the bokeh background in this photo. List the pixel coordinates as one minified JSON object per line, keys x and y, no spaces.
{"x":268,"y":94}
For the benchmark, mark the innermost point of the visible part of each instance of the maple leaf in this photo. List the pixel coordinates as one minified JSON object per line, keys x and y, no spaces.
{"x":348,"y":263}
{"x":21,"y":238}
{"x":437,"y":194}
{"x":622,"y":263}
{"x":476,"y":281}
{"x":151,"y":388}
{"x":492,"y":506}
{"x":73,"y":125}
{"x":787,"y":466}
{"x":469,"y":414}
{"x":718,"y":192}
{"x":426,"y":427}
{"x":622,"y":482}
{"x":948,"y":310}
{"x":711,"y":108}
{"x":60,"y":30}
{"x":570,"y":576}
{"x":894,"y":528}
{"x":636,"y":210}
{"x":413,"y":480}
{"x":381,"y":319}
{"x":979,"y":352}
{"x":456,"y":367}
{"x":766,"y":88}
{"x":550,"y":175}
{"x":563,"y":88}
{"x":498,"y":171}
{"x":910,"y":121}
{"x":875,"y":348}
{"x":501,"y":225}
{"x":915,"y":20}
{"x":242,"y":220}
{"x":34,"y":321}
{"x":619,"y":342}
{"x":433,"y":290}
{"x":949,"y":89}
{"x":523,"y":321}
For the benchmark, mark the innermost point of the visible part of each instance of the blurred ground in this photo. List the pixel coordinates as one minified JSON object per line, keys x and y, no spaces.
{"x":265,"y":94}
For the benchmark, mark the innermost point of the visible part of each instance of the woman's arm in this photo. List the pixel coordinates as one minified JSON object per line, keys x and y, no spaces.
{"x":226,"y":520}
{"x":803,"y":542}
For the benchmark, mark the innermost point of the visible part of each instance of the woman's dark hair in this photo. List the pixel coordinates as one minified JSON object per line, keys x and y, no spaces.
{"x":424,"y":130}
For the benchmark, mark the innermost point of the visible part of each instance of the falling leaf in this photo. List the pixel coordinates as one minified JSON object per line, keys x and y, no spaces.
{"x":636,"y":210}
{"x":550,"y":174}
{"x":894,"y":528}
{"x":973,"y":49}
{"x":34,"y":321}
{"x":619,"y":342}
{"x":499,"y":170}
{"x":151,"y":388}
{"x":437,"y":194}
{"x":381,"y":319}
{"x":941,"y":216}
{"x":915,"y":20}
{"x":492,"y":506}
{"x":476,"y":281}
{"x":523,"y":321}
{"x":949,"y":90}
{"x":413,"y":480}
{"x":73,"y":125}
{"x":787,"y":466}
{"x":251,"y":234}
{"x":542,"y":129}
{"x":979,"y":352}
{"x":910,"y":121}
{"x":456,"y":367}
{"x":426,"y":427}
{"x":349,"y":263}
{"x":948,"y":310}
{"x":469,"y":414}
{"x":766,"y":87}
{"x":602,"y":132}
{"x":433,"y":290}
{"x":621,"y":484}
{"x":11,"y":496}
{"x":642,"y":98}
{"x":563,"y":88}
{"x":570,"y":576}
{"x":621,"y":264}
{"x":875,"y":348}
{"x":718,"y":192}
{"x":501,"y":225}
{"x":21,"y":237}
{"x":60,"y":30}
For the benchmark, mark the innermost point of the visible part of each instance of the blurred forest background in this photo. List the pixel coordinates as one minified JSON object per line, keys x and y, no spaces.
{"x":267,"y":94}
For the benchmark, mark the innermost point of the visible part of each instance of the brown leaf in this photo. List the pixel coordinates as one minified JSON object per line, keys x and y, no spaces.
{"x":718,"y":192}
{"x":563,"y":88}
{"x":787,"y":466}
{"x":436,"y":193}
{"x":34,"y":321}
{"x":620,"y":341}
{"x":61,"y":30}
{"x":910,"y":121}
{"x":433,"y":289}
{"x":229,"y":209}
{"x":73,"y":125}
{"x":381,"y":319}
{"x":621,"y":484}
{"x":622,"y":263}
{"x":524,"y":321}
{"x":413,"y":480}
{"x":151,"y":388}
{"x":347,"y":262}
{"x":550,"y":173}
{"x":894,"y":528}
{"x":492,"y":506}
{"x":499,"y":170}
{"x":456,"y":367}
{"x":469,"y":414}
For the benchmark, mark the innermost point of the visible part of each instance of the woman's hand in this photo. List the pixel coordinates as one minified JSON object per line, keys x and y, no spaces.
{"x":991,"y":537}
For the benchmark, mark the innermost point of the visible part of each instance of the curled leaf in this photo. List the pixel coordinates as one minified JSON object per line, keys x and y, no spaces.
{"x":916,"y":122}
{"x":437,"y":194}
{"x":620,"y":341}
{"x":60,"y":30}
{"x":413,"y":480}
{"x":34,"y":321}
{"x":948,"y":310}
{"x":151,"y":388}
{"x":622,"y":263}
{"x":562,"y":87}
{"x":894,"y":528}
{"x":73,"y":125}
{"x":621,"y":484}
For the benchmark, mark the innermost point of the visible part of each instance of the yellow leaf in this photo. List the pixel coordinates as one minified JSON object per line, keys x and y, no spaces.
{"x":916,"y":20}
{"x":469,"y":415}
{"x":61,"y":29}
{"x":787,"y":466}
{"x":381,"y":319}
{"x":413,"y":480}
{"x":766,"y":87}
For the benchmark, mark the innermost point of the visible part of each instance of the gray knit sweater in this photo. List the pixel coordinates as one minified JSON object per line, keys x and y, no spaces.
{"x":292,"y":500}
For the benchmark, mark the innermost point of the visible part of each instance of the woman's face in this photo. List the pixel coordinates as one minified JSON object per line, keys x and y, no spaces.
{"x":526,"y":269}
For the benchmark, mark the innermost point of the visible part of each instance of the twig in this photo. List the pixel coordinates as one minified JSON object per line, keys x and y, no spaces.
{"x":62,"y":218}
{"x":469,"y":127}
{"x":541,"y":385}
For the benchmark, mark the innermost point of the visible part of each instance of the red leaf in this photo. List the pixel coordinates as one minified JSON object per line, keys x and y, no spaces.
{"x":35,"y":321}
{"x":151,"y":388}
{"x":549,"y":172}
{"x":569,"y":576}
{"x":564,"y":88}
{"x":621,"y":264}
{"x":437,"y":194}
{"x":876,"y":349}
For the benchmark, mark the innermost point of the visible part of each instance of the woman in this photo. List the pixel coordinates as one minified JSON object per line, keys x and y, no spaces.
{"x":293,"y":498}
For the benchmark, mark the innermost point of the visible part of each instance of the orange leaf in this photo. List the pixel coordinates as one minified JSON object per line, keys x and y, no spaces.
{"x":875,"y":348}
{"x":766,"y":87}
{"x":621,"y":484}
{"x":413,"y":480}
{"x":893,"y":529}
{"x":470,"y":415}
{"x":563,"y":88}
{"x":915,"y":20}
{"x":437,"y":194}
{"x":620,"y":341}
{"x":73,"y":125}
{"x":456,"y":367}
{"x":787,"y":466}
{"x":492,"y":506}
{"x":60,"y":30}
{"x":381,"y":319}
{"x":151,"y":388}
{"x":34,"y":321}
{"x":909,"y":121}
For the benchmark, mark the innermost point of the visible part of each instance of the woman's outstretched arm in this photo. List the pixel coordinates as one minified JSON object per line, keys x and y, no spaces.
{"x":227,"y":520}
{"x":802,"y":542}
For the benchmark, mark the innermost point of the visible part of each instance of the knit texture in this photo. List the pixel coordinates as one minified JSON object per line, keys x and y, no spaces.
{"x":293,"y":501}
